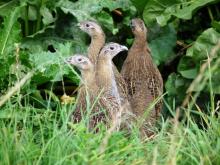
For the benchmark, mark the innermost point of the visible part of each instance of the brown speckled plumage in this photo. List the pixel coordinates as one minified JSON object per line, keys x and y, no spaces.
{"x":143,"y":79}
{"x":105,"y":75}
{"x":97,"y":42}
{"x":99,"y":86}
{"x":97,"y":35}
{"x":87,"y":98}
{"x":106,"y":80}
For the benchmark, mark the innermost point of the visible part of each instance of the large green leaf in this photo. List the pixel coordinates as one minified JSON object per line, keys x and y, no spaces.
{"x":93,"y":10}
{"x":203,"y":45}
{"x":106,"y":20}
{"x":161,"y":11}
{"x":163,"y":43}
{"x":216,"y":25}
{"x":82,"y":9}
{"x":139,"y":4}
{"x":112,"y":5}
{"x":9,"y":33}
{"x":9,"y":36}
{"x":187,"y":68}
{"x":47,"y":15}
{"x":51,"y":66}
{"x":157,"y":8}
{"x":7,"y":7}
{"x":176,"y":87}
{"x":197,"y":54}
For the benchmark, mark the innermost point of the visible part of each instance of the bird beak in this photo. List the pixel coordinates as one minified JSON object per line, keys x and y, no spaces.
{"x":69,"y":60}
{"x":124,"y":48}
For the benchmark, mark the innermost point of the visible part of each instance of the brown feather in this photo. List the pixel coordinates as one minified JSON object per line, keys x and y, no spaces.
{"x":143,"y":79}
{"x":87,"y":98}
{"x":97,"y":42}
{"x":107,"y":81}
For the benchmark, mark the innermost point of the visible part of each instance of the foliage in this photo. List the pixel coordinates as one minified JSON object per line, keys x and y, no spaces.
{"x":10,"y":35}
{"x":165,"y":13}
{"x":162,"y":11}
{"x":38,"y":35}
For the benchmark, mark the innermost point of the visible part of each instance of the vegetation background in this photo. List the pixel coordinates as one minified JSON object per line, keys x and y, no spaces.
{"x":36,"y":36}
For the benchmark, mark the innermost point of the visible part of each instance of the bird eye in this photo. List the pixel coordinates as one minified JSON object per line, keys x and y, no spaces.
{"x":79,"y":59}
{"x":87,"y":25}
{"x":111,"y":48}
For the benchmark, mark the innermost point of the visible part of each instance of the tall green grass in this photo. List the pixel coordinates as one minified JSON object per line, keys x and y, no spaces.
{"x":42,"y":136}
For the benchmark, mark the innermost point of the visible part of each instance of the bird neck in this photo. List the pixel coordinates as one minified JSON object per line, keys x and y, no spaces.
{"x":140,"y":40}
{"x":97,"y":42}
{"x":140,"y":44}
{"x":106,"y":77}
{"x":104,"y":68}
{"x":88,"y":77}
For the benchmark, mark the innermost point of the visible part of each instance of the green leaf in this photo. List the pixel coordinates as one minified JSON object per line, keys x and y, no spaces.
{"x":10,"y":33}
{"x":112,"y":5}
{"x":32,"y":13}
{"x":82,"y":10}
{"x":7,"y":7}
{"x":163,"y":43}
{"x":161,"y":11}
{"x":169,"y":84}
{"x":215,"y":81}
{"x":176,"y":87}
{"x":199,"y":52}
{"x":216,"y":25}
{"x":187,"y":68}
{"x":106,"y":20}
{"x":51,"y":66}
{"x":139,"y":4}
{"x":156,"y":8}
{"x":203,"y":45}
{"x":47,"y":16}
{"x":189,"y":73}
{"x":96,"y":10}
{"x":43,"y":59}
{"x":9,"y":36}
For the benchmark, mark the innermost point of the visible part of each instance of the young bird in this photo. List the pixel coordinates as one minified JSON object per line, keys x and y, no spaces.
{"x":97,"y":42}
{"x":107,"y":100}
{"x":97,"y":38}
{"x":106,"y":81}
{"x":143,"y":79}
{"x":88,"y":89}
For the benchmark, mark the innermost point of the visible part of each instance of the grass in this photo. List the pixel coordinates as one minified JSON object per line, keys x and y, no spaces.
{"x":44,"y":136}
{"x":35,"y":136}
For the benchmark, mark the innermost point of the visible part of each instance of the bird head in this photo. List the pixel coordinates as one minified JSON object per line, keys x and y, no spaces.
{"x":111,"y":49}
{"x":80,"y":61}
{"x":90,"y":27}
{"x":138,"y":27}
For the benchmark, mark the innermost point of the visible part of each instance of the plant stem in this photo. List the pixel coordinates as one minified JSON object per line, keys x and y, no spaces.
{"x":26,"y":21}
{"x":212,"y":100}
{"x":210,"y":14}
{"x":38,"y":17}
{"x":217,"y":11}
{"x":15,"y":88}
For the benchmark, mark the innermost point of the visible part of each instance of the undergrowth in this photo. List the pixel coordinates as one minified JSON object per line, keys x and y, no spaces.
{"x":29,"y":135}
{"x":42,"y":136}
